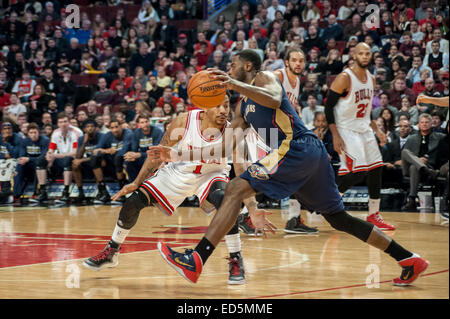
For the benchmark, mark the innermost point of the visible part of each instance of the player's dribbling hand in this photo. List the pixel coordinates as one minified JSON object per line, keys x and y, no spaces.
{"x":129,"y":188}
{"x":261,"y":223}
{"x":382,"y":137}
{"x":221,"y":75}
{"x":420,"y":99}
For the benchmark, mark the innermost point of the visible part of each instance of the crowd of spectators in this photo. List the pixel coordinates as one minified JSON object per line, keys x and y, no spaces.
{"x":142,"y":65}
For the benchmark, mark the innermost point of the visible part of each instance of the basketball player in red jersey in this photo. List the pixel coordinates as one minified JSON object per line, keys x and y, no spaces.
{"x":171,"y":184}
{"x":348,"y":114}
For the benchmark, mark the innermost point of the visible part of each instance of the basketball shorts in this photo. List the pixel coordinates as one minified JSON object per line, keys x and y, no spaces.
{"x":304,"y":171}
{"x":171,"y":187}
{"x":362,"y":153}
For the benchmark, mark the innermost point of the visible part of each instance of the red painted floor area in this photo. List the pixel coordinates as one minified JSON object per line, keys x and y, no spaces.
{"x":18,"y":249}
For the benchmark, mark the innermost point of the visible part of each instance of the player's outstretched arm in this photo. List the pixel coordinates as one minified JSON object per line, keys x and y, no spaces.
{"x":267,"y":90}
{"x":438,"y":101}
{"x":171,"y":137}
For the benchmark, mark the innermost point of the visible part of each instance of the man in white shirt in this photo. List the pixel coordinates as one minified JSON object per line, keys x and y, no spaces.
{"x":61,"y":152}
{"x":15,"y":108}
{"x":274,"y":8}
{"x":308,"y":112}
{"x":417,"y":66}
{"x":437,"y":35}
{"x":436,"y":60}
{"x":24,"y":87}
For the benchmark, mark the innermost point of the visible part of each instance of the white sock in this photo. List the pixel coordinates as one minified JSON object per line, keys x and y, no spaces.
{"x":294,"y":208}
{"x":374,"y":206}
{"x":119,"y":234}
{"x":233,"y":243}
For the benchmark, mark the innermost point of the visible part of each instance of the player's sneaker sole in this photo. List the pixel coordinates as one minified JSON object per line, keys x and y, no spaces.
{"x":106,"y":265}
{"x":306,"y":232}
{"x":236,"y":282}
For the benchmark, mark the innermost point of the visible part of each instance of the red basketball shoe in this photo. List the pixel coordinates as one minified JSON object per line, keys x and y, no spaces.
{"x":412,"y":268}
{"x":189,"y":265}
{"x":378,"y":221}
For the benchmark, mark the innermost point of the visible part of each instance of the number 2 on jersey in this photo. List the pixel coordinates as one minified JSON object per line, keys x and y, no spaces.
{"x":197,"y":169}
{"x":361,"y":110}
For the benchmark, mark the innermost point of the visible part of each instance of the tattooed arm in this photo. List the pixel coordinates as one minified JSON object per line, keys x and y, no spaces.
{"x":171,"y":137}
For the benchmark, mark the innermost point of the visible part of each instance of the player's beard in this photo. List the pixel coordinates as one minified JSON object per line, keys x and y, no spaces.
{"x":293,"y":70}
{"x":240,"y":74}
{"x":361,"y":65}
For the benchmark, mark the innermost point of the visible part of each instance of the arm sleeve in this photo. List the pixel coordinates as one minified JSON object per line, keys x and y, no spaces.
{"x":332,"y":100}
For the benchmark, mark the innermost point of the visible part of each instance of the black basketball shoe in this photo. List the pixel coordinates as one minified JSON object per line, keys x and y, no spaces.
{"x":295,"y":225}
{"x":108,"y":258}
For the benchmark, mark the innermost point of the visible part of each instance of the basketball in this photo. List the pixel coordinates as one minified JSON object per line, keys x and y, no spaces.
{"x":204,"y":91}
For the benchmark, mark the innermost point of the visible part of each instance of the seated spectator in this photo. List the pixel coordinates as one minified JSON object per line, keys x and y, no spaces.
{"x":168,"y":97}
{"x":346,"y":10}
{"x":333,"y":30}
{"x":61,"y":152}
{"x":31,"y":161}
{"x":437,"y":119}
{"x":273,"y":62}
{"x":38,"y":103}
{"x":133,"y":95}
{"x":314,"y":41}
{"x":122,"y":77}
{"x":413,"y":75}
{"x":111,"y":148}
{"x":384,"y":103}
{"x":312,"y":63}
{"x":309,"y":111}
{"x":103,"y":96}
{"x":85,"y":164}
{"x":324,"y":134}
{"x":67,"y":89}
{"x":398,"y":88}
{"x":392,"y":152}
{"x":419,"y":86}
{"x":436,"y":59}
{"x":144,"y":57}
{"x":412,"y":110}
{"x":310,"y":11}
{"x":181,"y":85}
{"x":419,"y":158}
{"x":145,"y":136}
{"x":10,"y":145}
{"x":24,"y":87}
{"x":333,"y":64}
{"x":443,"y":43}
{"x":163,"y":80}
{"x":275,"y":6}
{"x":14,"y":108}
{"x":354,"y":28}
{"x":218,"y":60}
{"x":388,"y":123}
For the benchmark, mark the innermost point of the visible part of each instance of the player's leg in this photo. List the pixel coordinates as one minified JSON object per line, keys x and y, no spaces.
{"x":66,"y":163}
{"x":41,"y":173}
{"x":128,"y":216}
{"x":232,"y":239}
{"x":321,"y":194}
{"x":96,"y":164}
{"x":119,"y":166}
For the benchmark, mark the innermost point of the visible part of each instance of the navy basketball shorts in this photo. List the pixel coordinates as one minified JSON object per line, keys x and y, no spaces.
{"x":301,"y":169}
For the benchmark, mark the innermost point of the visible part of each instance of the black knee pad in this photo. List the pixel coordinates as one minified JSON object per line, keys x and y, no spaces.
{"x":41,"y":163}
{"x":131,"y":208}
{"x":216,"y":193}
{"x":342,"y":221}
{"x":95,"y":161}
{"x":118,"y":163}
{"x":67,"y":163}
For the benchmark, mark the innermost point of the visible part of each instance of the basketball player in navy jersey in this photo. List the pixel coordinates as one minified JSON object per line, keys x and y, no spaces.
{"x":299,"y":165}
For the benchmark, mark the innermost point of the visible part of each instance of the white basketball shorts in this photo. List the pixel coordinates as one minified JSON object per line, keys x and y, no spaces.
{"x":361,"y":152}
{"x":170,"y":187}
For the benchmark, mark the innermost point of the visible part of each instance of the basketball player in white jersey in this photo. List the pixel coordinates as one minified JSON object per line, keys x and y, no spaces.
{"x":294,"y":61}
{"x":348,"y":109}
{"x":168,"y":187}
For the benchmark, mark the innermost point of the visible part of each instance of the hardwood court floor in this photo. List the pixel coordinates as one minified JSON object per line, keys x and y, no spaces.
{"x":41,"y":254}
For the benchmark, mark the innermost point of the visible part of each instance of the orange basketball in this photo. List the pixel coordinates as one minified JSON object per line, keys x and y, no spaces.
{"x":204,"y":91}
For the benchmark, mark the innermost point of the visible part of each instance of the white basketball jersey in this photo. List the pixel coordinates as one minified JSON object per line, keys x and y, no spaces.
{"x":291,"y":92}
{"x":353,"y":111}
{"x":194,"y":138}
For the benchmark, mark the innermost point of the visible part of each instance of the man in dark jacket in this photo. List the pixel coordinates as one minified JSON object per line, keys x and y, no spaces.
{"x":420,"y":157}
{"x":142,"y":58}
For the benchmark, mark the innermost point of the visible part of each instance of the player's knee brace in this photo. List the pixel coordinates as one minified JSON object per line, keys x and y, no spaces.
{"x":131,"y":208}
{"x":342,"y":221}
{"x":41,"y":163}
{"x":216,"y":193}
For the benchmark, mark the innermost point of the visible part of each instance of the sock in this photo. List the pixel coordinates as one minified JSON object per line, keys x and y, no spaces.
{"x":374,"y":206}
{"x":233,"y":243}
{"x":397,"y":252}
{"x":294,"y":209}
{"x":119,"y":235}
{"x":204,"y":249}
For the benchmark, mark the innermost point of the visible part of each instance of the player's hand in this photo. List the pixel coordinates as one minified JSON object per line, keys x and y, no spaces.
{"x":420,"y":99}
{"x":129,"y":188}
{"x":261,"y":223}
{"x":221,"y":76}
{"x":162,"y":153}
{"x":338,"y":144}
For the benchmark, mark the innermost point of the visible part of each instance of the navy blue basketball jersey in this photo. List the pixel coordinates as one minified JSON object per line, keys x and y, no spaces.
{"x":284,"y":119}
